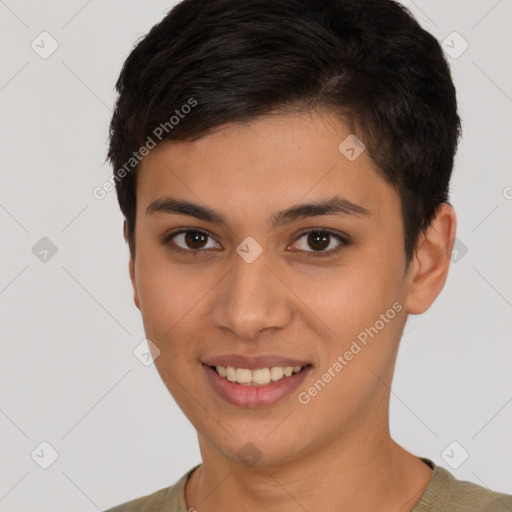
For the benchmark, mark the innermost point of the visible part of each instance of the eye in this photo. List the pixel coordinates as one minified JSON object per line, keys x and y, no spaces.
{"x":320,"y":239}
{"x":192,"y":241}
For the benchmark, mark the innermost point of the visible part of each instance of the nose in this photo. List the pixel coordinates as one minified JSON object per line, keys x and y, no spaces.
{"x":252,"y":300}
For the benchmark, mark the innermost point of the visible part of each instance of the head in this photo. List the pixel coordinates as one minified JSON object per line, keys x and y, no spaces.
{"x":253,"y":108}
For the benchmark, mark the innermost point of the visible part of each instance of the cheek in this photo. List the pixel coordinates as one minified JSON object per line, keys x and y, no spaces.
{"x":365,"y":341}
{"x":165,"y":297}
{"x":353,"y":297}
{"x":171,"y":314}
{"x":174,"y":311}
{"x":163,"y":287}
{"x":362,"y":307}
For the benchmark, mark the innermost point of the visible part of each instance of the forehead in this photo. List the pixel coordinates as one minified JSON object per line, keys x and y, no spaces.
{"x":268,"y":163}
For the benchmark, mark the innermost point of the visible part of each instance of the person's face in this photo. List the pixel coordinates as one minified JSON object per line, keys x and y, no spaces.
{"x":212,"y":300}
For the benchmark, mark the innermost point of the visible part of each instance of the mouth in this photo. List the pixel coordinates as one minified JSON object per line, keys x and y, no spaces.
{"x":258,"y":376}
{"x":255,"y":387}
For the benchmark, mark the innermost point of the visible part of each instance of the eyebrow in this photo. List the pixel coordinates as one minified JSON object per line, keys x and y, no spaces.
{"x":335,"y":206}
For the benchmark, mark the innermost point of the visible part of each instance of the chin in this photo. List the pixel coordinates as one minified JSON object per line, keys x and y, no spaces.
{"x":259,"y":451}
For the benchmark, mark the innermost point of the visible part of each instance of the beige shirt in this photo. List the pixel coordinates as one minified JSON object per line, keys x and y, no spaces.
{"x":444,"y":493}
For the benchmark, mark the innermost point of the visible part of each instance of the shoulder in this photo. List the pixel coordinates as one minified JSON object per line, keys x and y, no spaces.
{"x":149,"y":503}
{"x":445,"y":493}
{"x":169,"y":499}
{"x":473,"y":497}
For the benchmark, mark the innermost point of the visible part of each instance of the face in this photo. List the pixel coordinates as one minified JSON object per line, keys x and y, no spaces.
{"x":252,"y":278}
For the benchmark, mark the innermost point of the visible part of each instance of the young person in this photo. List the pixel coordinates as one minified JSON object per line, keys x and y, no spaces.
{"x":283,"y":168}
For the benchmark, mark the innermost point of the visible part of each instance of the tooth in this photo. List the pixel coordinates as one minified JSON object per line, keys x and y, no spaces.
{"x":261,"y":376}
{"x":231,"y":373}
{"x":243,"y":375}
{"x":276,"y":373}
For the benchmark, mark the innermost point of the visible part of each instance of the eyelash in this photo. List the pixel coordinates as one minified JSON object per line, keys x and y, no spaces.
{"x":198,"y":252}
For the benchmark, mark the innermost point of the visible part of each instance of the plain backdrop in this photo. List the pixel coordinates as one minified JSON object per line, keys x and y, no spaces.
{"x":68,"y":374}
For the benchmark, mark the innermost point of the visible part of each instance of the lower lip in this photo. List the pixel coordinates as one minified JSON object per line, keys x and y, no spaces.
{"x":254,"y":396}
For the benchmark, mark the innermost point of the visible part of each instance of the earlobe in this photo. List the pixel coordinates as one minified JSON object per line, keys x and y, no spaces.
{"x":431,"y":262}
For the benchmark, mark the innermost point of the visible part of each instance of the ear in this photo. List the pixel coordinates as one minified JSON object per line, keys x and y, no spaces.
{"x":131,"y":269}
{"x":429,"y":268}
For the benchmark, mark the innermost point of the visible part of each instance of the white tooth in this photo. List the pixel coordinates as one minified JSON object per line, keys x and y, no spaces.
{"x":261,"y":376}
{"x":231,"y":373}
{"x":243,"y":375}
{"x":276,"y":372}
{"x":288,"y":370}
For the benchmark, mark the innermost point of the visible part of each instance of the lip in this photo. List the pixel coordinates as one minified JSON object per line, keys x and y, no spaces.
{"x":255,"y":396}
{"x":253,"y":362}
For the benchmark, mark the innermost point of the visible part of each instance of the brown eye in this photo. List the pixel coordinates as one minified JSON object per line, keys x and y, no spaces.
{"x":191,"y":241}
{"x":194,"y":242}
{"x":319,"y":240}
{"x":195,"y":239}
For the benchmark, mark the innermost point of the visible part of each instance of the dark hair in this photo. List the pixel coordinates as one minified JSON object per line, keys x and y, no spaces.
{"x":234,"y":60}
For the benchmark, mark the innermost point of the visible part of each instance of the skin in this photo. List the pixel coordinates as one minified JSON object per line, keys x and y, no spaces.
{"x":336,"y":451}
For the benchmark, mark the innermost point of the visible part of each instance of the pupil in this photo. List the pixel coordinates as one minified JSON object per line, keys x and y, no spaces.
{"x":319,"y":237}
{"x":191,"y":237}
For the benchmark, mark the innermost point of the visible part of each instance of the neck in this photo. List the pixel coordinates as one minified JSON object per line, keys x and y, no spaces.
{"x":354,"y":475}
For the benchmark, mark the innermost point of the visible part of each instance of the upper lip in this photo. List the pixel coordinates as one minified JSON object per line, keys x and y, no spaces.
{"x":253,"y":362}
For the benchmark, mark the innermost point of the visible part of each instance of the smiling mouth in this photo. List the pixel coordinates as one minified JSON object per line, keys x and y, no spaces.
{"x":258,"y":377}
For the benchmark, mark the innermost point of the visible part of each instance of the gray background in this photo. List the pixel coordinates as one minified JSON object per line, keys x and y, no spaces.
{"x":69,"y":326}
